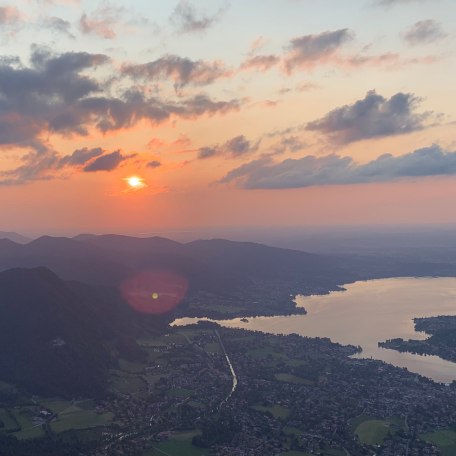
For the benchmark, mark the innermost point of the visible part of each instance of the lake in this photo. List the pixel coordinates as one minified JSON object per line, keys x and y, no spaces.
{"x":367,"y":313}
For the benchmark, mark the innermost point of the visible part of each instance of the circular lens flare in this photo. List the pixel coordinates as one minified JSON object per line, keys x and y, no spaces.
{"x":154,"y":292}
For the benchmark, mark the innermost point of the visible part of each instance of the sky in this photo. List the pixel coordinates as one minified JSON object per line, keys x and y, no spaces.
{"x":228,"y":113}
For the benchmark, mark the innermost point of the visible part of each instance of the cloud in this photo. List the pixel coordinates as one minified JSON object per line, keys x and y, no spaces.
{"x":107,"y":162}
{"x":424,"y":32}
{"x":288,"y":144}
{"x":46,"y":164}
{"x":336,"y":170}
{"x":59,"y":25}
{"x":234,"y":148}
{"x":372,"y":117}
{"x":102,"y":22}
{"x":9,"y":15}
{"x":36,"y":98}
{"x":153,"y":164}
{"x":207,"y":152}
{"x":308,"y":50}
{"x":260,"y":62}
{"x":80,"y":157}
{"x":35,"y":166}
{"x":187,"y":19}
{"x":56,"y":95}
{"x":182,"y":71}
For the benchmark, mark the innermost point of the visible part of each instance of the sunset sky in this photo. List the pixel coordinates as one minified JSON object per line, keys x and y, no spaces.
{"x":229,"y":113}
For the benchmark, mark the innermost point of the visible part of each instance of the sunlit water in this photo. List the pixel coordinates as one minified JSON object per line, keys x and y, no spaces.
{"x":366,"y":313}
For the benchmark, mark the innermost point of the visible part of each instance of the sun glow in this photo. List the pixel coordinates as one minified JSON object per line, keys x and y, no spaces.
{"x":135,"y":182}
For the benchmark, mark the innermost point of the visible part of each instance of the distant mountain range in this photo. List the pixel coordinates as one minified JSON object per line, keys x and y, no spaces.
{"x":216,"y":265}
{"x":15,"y":237}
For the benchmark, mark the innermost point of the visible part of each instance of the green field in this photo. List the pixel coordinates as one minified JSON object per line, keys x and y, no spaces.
{"x":265,"y":352}
{"x":294,"y":453}
{"x":75,"y":417}
{"x":29,"y":428}
{"x":163,"y":341}
{"x":444,"y":439}
{"x":125,"y":383}
{"x":289,"y":430}
{"x":213,"y":347}
{"x":373,"y":431}
{"x":290,"y":378}
{"x":179,"y":444}
{"x":133,"y":368}
{"x":181,"y":392}
{"x":8,"y":422}
{"x":277,"y":411}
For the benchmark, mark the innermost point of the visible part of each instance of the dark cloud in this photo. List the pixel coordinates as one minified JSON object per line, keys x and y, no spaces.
{"x":153,"y":164}
{"x":181,"y":71}
{"x":310,"y":49}
{"x":187,"y":19}
{"x":234,"y":147}
{"x":336,"y":170}
{"x":424,"y":32}
{"x":47,"y":164}
{"x":59,"y":25}
{"x":239,"y":145}
{"x":372,"y":117}
{"x":80,"y":157}
{"x":107,"y":162}
{"x":33,"y":99}
{"x":55,"y":95}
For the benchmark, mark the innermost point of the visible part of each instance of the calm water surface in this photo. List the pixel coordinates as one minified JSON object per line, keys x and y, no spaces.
{"x":366,"y":313}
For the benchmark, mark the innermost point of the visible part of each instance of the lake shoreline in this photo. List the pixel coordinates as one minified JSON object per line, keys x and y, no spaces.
{"x":368,"y":312}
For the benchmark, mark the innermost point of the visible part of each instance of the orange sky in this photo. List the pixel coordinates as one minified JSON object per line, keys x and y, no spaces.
{"x":298,"y":138}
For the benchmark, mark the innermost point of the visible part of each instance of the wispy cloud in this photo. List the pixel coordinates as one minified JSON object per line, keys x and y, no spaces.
{"x":59,"y":25}
{"x":308,"y":50}
{"x":260,"y":62}
{"x":188,"y":19}
{"x":424,"y":32}
{"x":102,"y":22}
{"x":182,"y":71}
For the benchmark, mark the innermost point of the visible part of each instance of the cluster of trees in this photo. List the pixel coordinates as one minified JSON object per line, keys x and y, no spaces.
{"x":10,"y":446}
{"x":217,"y":431}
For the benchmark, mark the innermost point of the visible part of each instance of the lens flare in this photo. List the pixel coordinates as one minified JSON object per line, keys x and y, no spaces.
{"x":154,"y":292}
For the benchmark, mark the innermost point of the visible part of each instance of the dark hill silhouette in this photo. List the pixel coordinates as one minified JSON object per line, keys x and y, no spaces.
{"x":56,"y":338}
{"x":69,"y":258}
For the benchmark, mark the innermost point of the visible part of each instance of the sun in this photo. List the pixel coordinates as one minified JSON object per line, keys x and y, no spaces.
{"x":135,"y":182}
